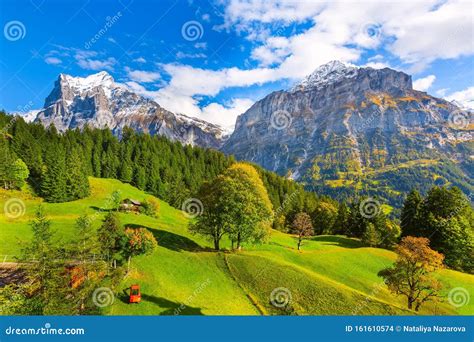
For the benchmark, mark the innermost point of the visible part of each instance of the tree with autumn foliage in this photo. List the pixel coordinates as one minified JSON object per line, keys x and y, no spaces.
{"x":303,"y":227}
{"x":140,"y":241}
{"x":411,"y":275}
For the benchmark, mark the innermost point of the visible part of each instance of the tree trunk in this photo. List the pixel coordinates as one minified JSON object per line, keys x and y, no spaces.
{"x":299,"y":242}
{"x":410,"y":303}
{"x":128,"y":263}
{"x":216,"y":244}
{"x":238,"y":241}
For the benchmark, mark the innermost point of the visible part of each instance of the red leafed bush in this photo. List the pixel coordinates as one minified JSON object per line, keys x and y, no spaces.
{"x":140,"y":241}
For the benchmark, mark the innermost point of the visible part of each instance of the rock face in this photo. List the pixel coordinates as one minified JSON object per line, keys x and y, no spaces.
{"x":343,"y":122}
{"x":100,"y":102}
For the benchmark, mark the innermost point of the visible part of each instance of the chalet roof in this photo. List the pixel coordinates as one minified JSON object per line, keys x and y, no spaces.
{"x":132,"y":201}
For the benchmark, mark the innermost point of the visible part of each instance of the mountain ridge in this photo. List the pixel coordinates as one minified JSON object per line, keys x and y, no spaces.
{"x":98,"y":101}
{"x":343,"y":121}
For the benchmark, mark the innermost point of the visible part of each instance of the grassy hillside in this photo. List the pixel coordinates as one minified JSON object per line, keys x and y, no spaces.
{"x":332,"y":275}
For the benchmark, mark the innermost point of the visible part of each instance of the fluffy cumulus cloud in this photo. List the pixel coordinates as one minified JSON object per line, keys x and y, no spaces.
{"x":142,"y":76}
{"x":90,"y":60}
{"x":464,"y":97}
{"x":97,"y":64}
{"x":226,"y":114}
{"x":424,"y":83}
{"x":417,"y":32}
{"x":289,"y":39}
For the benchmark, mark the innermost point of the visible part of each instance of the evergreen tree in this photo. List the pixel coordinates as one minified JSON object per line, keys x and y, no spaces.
{"x":53,"y":185}
{"x":342,"y":219}
{"x":112,"y":238}
{"x":371,"y":236}
{"x":88,"y":265}
{"x":446,"y":217}
{"x":409,"y":221}
{"x":44,"y":267}
{"x":77,"y":183}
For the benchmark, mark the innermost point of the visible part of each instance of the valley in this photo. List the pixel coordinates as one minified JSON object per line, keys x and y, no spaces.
{"x":183,"y":276}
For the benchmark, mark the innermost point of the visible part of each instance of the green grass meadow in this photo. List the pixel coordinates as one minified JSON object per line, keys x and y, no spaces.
{"x":332,"y":275}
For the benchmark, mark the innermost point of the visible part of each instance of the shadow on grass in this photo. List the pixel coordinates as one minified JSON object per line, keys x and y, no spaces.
{"x":172,"y":308}
{"x":340,"y":241}
{"x":102,"y":210}
{"x":173,"y":241}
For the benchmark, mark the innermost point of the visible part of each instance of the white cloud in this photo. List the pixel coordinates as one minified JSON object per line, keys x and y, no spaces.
{"x":140,"y":60}
{"x":225,"y":115}
{"x":464,"y":97}
{"x":96,"y":64}
{"x":414,"y":32}
{"x":176,"y":102}
{"x":142,"y":76}
{"x":426,"y":35}
{"x":417,"y":32}
{"x":181,"y":55}
{"x":423,"y":84}
{"x":85,"y":59}
{"x":442,"y":91}
{"x":246,"y":11}
{"x":52,"y":60}
{"x":377,"y":65}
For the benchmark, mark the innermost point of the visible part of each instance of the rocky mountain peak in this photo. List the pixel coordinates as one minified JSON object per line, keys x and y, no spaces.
{"x":344,"y":122}
{"x":98,"y":101}
{"x":336,"y":72}
{"x":327,"y":73}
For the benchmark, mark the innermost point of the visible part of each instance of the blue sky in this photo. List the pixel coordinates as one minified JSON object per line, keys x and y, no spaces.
{"x":213,"y":59}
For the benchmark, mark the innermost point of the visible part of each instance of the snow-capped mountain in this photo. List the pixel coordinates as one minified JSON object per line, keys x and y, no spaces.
{"x":348,"y":126}
{"x":100,"y":102}
{"x":327,"y":74}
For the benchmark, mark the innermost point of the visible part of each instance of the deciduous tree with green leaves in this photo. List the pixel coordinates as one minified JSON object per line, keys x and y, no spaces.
{"x":234,"y":203}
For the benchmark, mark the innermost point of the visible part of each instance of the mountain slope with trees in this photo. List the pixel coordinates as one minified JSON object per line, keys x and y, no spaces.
{"x":182,"y":275}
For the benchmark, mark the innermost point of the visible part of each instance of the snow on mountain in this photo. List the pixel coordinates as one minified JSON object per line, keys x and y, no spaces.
{"x":328,"y":73}
{"x":82,"y":85}
{"x":31,"y":115}
{"x":343,"y":120}
{"x":98,"y":101}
